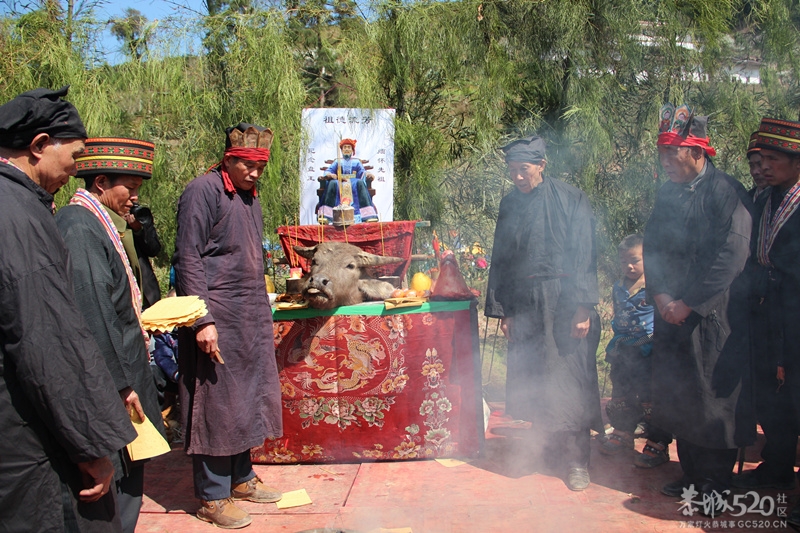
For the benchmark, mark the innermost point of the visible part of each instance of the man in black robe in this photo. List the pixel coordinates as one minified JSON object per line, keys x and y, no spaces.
{"x":695,"y":246}
{"x":102,"y":255}
{"x":543,"y":287}
{"x":228,"y":407}
{"x":60,"y":416}
{"x":776,"y":306}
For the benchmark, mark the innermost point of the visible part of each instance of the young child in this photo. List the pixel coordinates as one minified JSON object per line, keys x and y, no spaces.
{"x":628,"y":352}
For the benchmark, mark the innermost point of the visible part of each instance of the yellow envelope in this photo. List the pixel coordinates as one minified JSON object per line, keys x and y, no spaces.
{"x":149,"y":443}
{"x":294,"y":498}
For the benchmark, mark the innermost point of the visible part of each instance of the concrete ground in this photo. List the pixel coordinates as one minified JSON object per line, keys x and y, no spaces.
{"x":506,"y":489}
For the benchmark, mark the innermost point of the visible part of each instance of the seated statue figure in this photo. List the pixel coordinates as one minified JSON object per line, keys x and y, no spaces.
{"x":352,"y":170}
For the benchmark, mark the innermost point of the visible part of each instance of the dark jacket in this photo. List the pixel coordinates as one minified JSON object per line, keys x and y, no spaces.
{"x":544,"y":265}
{"x":103,"y":294}
{"x":228,"y":408}
{"x":696,"y":244}
{"x":58,"y":404}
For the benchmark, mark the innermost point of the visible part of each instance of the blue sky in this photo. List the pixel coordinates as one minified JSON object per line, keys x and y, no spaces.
{"x":152,"y":9}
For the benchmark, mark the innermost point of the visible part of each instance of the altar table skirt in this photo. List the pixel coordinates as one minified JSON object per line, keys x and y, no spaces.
{"x":360,"y":383}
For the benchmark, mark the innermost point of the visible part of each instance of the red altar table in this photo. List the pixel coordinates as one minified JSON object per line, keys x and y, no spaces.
{"x":362,"y":383}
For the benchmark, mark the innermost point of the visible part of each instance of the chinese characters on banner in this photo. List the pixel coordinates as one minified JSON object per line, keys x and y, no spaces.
{"x":373,"y":130}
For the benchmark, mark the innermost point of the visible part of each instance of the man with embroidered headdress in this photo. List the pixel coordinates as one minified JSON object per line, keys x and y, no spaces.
{"x":695,"y":247}
{"x":543,"y":287}
{"x":60,"y":414}
{"x":351,"y":171}
{"x":230,"y":392}
{"x":102,"y":253}
{"x":776,"y":307}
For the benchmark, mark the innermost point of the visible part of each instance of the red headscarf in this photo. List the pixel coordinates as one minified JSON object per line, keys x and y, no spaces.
{"x":248,"y":154}
{"x":351,"y":142}
{"x":673,"y":139}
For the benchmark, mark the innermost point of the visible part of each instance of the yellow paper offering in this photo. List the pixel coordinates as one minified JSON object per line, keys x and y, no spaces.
{"x":295,"y":498}
{"x":149,"y":443}
{"x":169,"y":313}
{"x":450,"y":463}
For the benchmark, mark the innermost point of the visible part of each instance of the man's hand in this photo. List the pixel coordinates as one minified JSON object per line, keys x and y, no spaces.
{"x":676,"y":312}
{"x":206,"y":336}
{"x":662,"y":300}
{"x":131,"y":401}
{"x":97,"y":475}
{"x":132,"y":222}
{"x":506,"y":324}
{"x":580,"y":323}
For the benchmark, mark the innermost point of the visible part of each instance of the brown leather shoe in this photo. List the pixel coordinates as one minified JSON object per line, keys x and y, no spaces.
{"x":223,"y":513}
{"x":255,"y":491}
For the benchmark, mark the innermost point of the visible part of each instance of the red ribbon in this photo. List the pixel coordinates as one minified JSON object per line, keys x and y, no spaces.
{"x":248,"y":154}
{"x":673,"y":139}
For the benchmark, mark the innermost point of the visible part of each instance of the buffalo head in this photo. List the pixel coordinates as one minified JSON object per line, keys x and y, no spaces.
{"x":338,"y":275}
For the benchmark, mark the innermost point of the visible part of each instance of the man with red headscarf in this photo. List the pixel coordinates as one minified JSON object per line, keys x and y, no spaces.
{"x":352,"y":170}
{"x":229,"y":385}
{"x":695,"y":246}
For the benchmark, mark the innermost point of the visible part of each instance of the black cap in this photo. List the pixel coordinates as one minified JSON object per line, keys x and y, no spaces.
{"x":39,"y":111}
{"x":528,"y":150}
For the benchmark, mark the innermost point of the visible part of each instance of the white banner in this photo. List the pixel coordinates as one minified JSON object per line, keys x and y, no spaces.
{"x":323,"y":128}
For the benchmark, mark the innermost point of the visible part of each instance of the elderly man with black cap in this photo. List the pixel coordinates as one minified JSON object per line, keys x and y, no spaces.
{"x":229,"y":384}
{"x":776,"y":307}
{"x":543,"y":286}
{"x":102,"y":255}
{"x":695,"y":248}
{"x":60,"y":415}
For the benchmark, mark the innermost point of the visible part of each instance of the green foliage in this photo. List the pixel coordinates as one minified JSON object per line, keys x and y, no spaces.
{"x":464,"y":78}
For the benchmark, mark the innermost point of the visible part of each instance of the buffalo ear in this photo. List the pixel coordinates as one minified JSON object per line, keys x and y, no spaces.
{"x":373,"y":289}
{"x":366,"y":259}
{"x":307,"y":252}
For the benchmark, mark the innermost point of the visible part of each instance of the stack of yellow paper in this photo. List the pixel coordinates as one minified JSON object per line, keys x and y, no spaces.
{"x":169,"y":313}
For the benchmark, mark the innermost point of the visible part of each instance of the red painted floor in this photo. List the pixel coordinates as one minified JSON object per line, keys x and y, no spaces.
{"x":504,"y":490}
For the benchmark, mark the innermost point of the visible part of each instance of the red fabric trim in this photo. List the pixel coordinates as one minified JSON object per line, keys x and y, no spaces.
{"x":673,"y":139}
{"x":398,"y":240}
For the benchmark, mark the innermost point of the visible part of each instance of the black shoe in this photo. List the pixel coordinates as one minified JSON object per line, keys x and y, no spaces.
{"x":676,"y":488}
{"x":752,"y":480}
{"x":794,"y":517}
{"x":717,"y":495}
{"x":577,"y":478}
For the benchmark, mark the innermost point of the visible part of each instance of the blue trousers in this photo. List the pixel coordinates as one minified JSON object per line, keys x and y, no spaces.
{"x":214,"y":476}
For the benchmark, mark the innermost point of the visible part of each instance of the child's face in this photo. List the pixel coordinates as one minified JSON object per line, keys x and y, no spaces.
{"x":631,"y":263}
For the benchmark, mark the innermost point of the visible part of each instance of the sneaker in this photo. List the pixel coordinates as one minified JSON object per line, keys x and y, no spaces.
{"x":616,"y":443}
{"x":753,"y":480}
{"x":223,"y":513}
{"x":255,"y":491}
{"x":653,"y":454}
{"x":577,"y":478}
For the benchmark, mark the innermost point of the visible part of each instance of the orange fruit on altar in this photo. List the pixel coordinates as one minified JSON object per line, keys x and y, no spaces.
{"x":420,"y":282}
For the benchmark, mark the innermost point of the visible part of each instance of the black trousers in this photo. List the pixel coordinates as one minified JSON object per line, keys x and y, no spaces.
{"x":775,"y":413}
{"x":706,"y":466}
{"x":568,"y":449}
{"x":129,"y":497}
